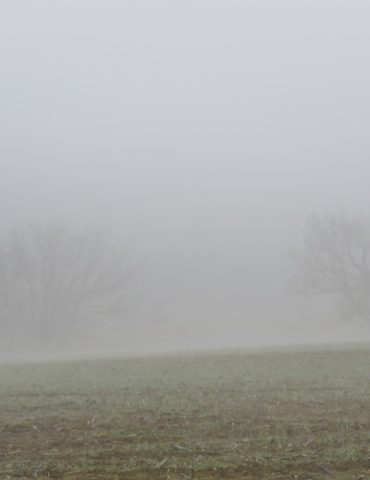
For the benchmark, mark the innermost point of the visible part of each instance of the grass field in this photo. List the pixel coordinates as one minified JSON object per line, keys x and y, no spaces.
{"x":286,"y":414}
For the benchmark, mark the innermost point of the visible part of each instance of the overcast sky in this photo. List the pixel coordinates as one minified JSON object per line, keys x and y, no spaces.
{"x":202,"y":132}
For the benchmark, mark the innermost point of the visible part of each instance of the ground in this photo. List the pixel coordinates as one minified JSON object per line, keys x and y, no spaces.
{"x":284,"y":414}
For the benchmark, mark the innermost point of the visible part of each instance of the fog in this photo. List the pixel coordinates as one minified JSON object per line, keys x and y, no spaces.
{"x":201,"y":135}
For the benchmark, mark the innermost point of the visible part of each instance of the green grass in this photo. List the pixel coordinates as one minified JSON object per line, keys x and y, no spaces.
{"x":263,"y":415}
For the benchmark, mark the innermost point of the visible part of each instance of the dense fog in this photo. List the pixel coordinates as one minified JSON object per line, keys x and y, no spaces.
{"x":198,"y":136}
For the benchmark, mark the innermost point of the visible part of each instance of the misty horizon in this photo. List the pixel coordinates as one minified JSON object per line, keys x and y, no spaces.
{"x":199,"y":136}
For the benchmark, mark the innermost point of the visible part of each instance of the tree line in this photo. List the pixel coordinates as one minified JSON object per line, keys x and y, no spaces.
{"x":52,"y":280}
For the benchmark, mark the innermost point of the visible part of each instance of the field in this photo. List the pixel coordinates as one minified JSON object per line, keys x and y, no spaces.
{"x":284,"y":414}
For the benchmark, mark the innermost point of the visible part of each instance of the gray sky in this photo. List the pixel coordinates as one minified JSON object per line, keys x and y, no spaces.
{"x":203,"y":132}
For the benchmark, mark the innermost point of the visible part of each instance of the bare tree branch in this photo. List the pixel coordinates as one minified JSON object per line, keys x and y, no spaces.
{"x":52,"y":279}
{"x":335,"y":259}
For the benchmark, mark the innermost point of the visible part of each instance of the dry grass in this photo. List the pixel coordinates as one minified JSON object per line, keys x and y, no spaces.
{"x":279,"y":415}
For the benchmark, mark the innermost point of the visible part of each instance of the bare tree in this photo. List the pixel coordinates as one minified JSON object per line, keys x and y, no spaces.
{"x":52,"y":279}
{"x":335,"y":259}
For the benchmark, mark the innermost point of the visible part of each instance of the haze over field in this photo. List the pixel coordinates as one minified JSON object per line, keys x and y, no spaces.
{"x":200,"y":133}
